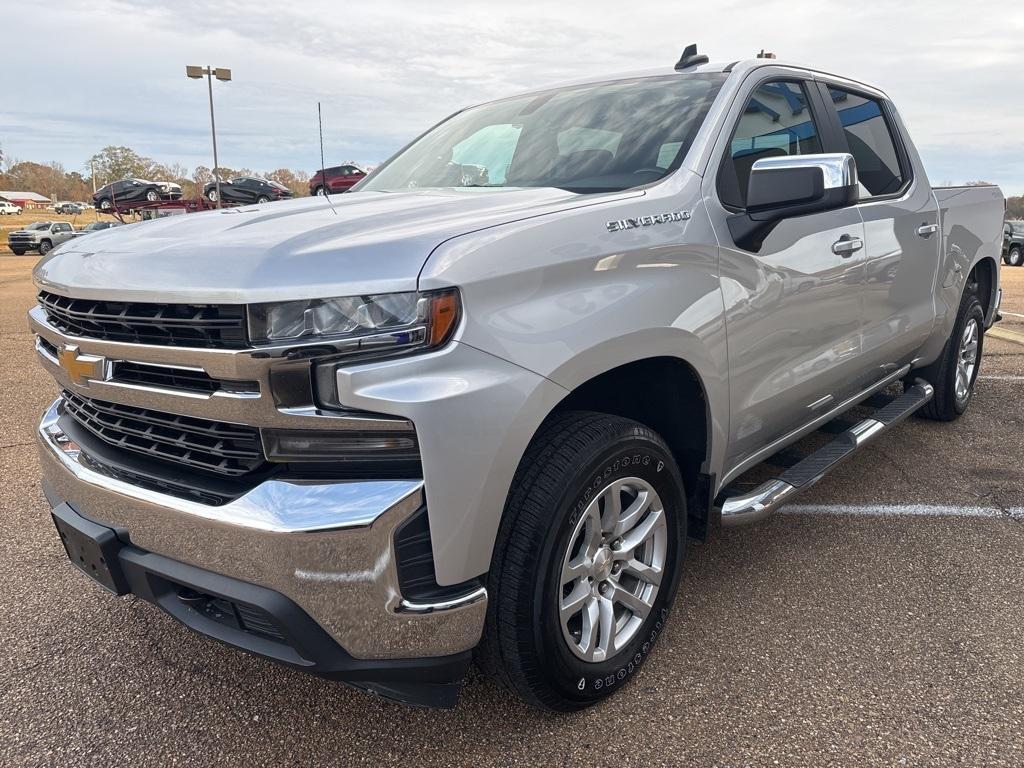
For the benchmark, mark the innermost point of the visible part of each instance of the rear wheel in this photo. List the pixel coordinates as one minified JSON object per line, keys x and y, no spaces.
{"x":1015,"y":257}
{"x":262,"y":199}
{"x":953,"y":375}
{"x":587,"y":561}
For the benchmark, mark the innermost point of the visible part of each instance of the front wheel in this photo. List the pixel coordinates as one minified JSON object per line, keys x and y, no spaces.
{"x":152,"y":196}
{"x":319,"y":191}
{"x":18,"y":251}
{"x":45,"y":247}
{"x":212,"y":195}
{"x":953,"y":375}
{"x":1015,"y":257}
{"x":105,"y":204}
{"x":586,"y":562}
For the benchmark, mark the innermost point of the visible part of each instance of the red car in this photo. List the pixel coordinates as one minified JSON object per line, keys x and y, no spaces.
{"x":340,"y":178}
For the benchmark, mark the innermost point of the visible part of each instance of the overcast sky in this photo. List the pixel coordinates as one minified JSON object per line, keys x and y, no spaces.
{"x":89,"y":74}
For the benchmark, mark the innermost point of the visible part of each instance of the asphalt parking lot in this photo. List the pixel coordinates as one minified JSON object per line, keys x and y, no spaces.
{"x":838,"y":633}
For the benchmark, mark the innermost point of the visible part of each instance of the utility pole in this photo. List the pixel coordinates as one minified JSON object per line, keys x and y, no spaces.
{"x":224,"y":75}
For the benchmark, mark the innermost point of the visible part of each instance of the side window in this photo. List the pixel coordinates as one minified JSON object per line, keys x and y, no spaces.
{"x":776,"y":121}
{"x":870,"y":140}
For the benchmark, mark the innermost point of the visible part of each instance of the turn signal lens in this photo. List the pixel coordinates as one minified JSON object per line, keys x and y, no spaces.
{"x":444,"y":316}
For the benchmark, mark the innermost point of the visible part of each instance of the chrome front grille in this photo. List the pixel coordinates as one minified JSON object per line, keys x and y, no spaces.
{"x":178,"y":325}
{"x":213,"y":446}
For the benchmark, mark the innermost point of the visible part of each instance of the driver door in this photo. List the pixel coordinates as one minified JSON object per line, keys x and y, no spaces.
{"x":793,"y":307}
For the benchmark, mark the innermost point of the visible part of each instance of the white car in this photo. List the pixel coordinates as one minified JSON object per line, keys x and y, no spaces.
{"x":9,"y":208}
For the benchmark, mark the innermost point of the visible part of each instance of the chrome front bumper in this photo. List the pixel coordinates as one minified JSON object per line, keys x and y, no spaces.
{"x":328,"y":546}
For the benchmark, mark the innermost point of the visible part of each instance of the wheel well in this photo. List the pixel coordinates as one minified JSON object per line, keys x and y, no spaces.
{"x":981,"y":282}
{"x":667,"y":395}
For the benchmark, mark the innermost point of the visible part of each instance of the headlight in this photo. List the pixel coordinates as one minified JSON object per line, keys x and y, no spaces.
{"x":361,"y":324}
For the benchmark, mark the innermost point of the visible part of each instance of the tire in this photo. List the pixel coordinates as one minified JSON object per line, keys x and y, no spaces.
{"x":45,"y":247}
{"x":555,"y":507}
{"x":318,"y":192}
{"x":1015,"y":257}
{"x":951,"y":399}
{"x":262,"y":199}
{"x":18,"y":251}
{"x":105,"y":204}
{"x":212,"y":195}
{"x":152,"y":196}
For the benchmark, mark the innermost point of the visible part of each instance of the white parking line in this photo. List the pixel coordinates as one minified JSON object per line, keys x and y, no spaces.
{"x":1011,"y":314}
{"x":1002,"y":377}
{"x":903,"y":510}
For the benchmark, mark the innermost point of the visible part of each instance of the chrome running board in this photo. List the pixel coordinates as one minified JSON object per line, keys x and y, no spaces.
{"x":756,"y":505}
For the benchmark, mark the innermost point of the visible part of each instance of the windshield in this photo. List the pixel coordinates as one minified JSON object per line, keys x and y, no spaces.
{"x":592,"y":138}
{"x":37,"y":226}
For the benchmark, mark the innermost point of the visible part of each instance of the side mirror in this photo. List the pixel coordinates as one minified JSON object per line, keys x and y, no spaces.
{"x":784,"y":187}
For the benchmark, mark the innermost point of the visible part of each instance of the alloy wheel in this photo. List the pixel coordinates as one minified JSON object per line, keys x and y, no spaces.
{"x":612,"y":569}
{"x":967,"y":360}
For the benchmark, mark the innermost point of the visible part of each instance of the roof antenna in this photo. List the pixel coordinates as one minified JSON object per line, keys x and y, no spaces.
{"x":691,"y":58}
{"x":323,"y":166}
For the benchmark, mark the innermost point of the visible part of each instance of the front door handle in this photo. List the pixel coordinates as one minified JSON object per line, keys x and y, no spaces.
{"x":927,"y":230}
{"x":846,"y":246}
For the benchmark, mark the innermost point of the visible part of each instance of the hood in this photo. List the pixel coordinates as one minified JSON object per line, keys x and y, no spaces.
{"x":370,"y":242}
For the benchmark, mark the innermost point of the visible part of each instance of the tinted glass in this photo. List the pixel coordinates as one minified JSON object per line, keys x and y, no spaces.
{"x":587,"y":138}
{"x":776,"y":122}
{"x":870,"y":142}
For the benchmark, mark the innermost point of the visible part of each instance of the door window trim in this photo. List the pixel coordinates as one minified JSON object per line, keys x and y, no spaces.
{"x":888,"y":116}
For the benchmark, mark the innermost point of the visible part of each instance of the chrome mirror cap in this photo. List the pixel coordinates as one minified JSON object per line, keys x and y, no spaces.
{"x":839,"y":169}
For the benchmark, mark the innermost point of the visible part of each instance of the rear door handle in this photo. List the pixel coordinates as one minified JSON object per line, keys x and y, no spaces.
{"x":927,"y":230}
{"x":846,"y":246}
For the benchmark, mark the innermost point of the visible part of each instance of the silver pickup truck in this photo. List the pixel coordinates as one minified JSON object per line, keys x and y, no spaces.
{"x":42,"y":236}
{"x":480,"y":405}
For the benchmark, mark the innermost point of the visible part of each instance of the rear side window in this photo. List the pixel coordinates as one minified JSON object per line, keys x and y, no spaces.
{"x":870,"y":141}
{"x":776,"y":122}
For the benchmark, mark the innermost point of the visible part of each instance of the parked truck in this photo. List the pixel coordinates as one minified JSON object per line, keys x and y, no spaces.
{"x":481,"y":404}
{"x":1013,"y":243}
{"x":41,"y":236}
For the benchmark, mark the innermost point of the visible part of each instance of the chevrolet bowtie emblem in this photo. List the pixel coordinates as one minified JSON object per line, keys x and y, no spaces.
{"x":80,"y":367}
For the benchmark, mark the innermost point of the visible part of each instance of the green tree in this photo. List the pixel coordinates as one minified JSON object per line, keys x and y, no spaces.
{"x":113,"y":163}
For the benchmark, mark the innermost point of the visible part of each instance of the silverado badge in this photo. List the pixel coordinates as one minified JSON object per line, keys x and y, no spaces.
{"x":647,"y":221}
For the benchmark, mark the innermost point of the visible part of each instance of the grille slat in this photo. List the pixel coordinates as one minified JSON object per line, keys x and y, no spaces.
{"x":218,"y":447}
{"x":179,"y":325}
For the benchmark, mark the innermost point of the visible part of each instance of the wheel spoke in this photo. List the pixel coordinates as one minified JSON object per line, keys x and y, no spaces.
{"x":643,"y":571}
{"x":637,"y":605}
{"x":576,"y":568}
{"x":575,"y":600}
{"x":612,"y":513}
{"x":591,"y":624}
{"x":606,"y":618}
{"x":592,"y":533}
{"x":642,"y":532}
{"x":633,"y":513}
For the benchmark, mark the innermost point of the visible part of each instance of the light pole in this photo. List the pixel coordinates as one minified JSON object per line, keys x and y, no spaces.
{"x":224,"y":75}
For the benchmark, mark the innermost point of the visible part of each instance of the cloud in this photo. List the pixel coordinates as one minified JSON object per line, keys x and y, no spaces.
{"x":386,"y":70}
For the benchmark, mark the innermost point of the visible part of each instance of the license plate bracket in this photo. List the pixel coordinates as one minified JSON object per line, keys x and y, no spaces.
{"x":92,"y":548}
